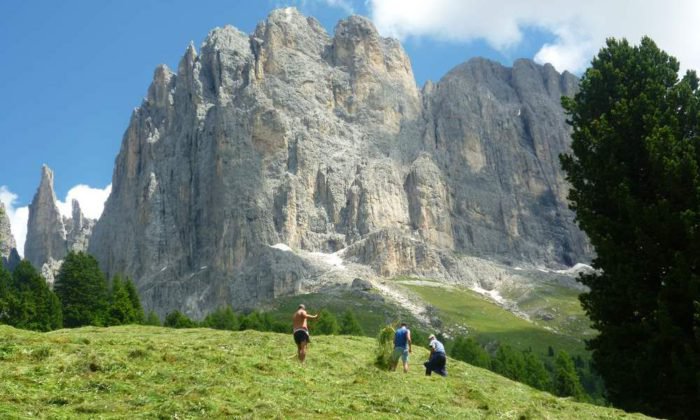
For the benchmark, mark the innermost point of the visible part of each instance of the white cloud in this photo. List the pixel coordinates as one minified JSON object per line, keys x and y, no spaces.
{"x":344,"y":5}
{"x":18,"y":217}
{"x":579,"y":28}
{"x":92,"y":200}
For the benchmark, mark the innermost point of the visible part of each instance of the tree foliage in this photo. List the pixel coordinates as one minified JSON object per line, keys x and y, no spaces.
{"x":82,"y":290}
{"x":222,"y":319}
{"x":124,"y":304}
{"x":177,"y":319}
{"x":635,"y":177}
{"x":349,"y":325}
{"x":566,"y":382}
{"x":468,"y":350}
{"x":26,"y":301}
{"x":326,"y":324}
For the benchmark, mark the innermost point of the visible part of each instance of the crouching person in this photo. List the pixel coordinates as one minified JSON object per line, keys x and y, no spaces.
{"x":437,"y":360}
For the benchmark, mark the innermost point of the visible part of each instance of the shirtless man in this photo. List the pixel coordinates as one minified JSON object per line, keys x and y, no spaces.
{"x":301,"y":330}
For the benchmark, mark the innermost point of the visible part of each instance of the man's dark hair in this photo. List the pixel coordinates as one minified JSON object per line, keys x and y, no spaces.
{"x":403,"y":324}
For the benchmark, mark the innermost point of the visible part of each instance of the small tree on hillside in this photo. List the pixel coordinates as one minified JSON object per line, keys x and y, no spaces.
{"x":177,"y":319}
{"x":509,"y":363}
{"x":33,"y":305}
{"x":121,"y":310}
{"x":468,"y":350}
{"x":82,"y":290}
{"x":153,"y":319}
{"x":6,"y":295}
{"x":222,"y":319}
{"x":536,"y":374}
{"x":327,"y":324}
{"x":139,"y":316}
{"x":566,"y":382}
{"x":349,"y":325}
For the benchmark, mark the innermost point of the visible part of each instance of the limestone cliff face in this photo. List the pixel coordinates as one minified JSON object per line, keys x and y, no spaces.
{"x":8,"y":248}
{"x":51,"y":236}
{"x":289,"y":135}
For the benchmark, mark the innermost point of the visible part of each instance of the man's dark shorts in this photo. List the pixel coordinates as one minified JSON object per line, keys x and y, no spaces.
{"x":300,"y":336}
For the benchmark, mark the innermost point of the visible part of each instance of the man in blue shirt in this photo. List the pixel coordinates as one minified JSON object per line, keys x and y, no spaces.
{"x":437,"y":360}
{"x":402,"y":346}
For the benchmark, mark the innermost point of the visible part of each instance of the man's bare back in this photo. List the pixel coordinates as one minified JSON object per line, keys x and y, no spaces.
{"x":299,"y":319}
{"x":301,"y":330}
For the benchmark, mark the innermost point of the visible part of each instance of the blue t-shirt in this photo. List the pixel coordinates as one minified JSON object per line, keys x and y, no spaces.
{"x":401,"y":338}
{"x":437,"y":346}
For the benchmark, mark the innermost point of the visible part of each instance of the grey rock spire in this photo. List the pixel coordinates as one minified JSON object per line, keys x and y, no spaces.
{"x":8,"y":248}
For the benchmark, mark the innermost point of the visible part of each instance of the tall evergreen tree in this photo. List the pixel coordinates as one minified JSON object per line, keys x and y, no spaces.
{"x":177,"y":319}
{"x":468,"y":350}
{"x":6,"y":295}
{"x":82,"y":290}
{"x":566,"y":382}
{"x":139,"y":315}
{"x":33,"y":305}
{"x":222,"y":319}
{"x":635,"y":177}
{"x":153,"y":319}
{"x":349,"y":325}
{"x":121,"y":310}
{"x":536,"y":374}
{"x":327,"y":323}
{"x":509,"y":363}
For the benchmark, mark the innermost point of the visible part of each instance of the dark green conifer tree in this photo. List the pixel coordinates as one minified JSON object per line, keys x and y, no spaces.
{"x":635,"y":177}
{"x":177,"y":319}
{"x":139,"y":315}
{"x":222,"y":319}
{"x":153,"y":319}
{"x":566,"y":382}
{"x":32,"y":305}
{"x":468,"y":350}
{"x":326,"y":324}
{"x":509,"y":363}
{"x":82,"y":290}
{"x":121,"y":310}
{"x":536,"y":374}
{"x":349,"y":325}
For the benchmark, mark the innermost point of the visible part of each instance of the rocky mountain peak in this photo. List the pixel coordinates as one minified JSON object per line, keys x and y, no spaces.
{"x":49,"y":235}
{"x":8,"y":248}
{"x":46,"y":234}
{"x":288,"y":139}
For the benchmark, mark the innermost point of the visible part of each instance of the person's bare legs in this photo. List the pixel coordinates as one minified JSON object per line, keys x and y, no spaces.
{"x":301,"y":351}
{"x":405,"y":367}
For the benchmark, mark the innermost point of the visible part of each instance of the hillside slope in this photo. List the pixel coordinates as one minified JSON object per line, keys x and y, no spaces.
{"x":150,"y":371}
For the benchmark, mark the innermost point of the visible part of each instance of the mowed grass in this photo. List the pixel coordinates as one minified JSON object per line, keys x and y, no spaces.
{"x":152,"y":372}
{"x":488,"y":322}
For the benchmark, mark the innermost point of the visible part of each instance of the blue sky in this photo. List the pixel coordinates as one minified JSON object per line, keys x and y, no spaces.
{"x":73,"y":70}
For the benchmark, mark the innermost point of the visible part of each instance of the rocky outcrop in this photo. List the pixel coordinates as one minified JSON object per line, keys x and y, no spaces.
{"x":46,"y":233}
{"x":8,"y":249}
{"x":325,"y":144}
{"x":51,"y":236}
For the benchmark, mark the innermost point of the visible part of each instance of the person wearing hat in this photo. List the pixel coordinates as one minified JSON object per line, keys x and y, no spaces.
{"x":437,"y":361}
{"x":301,"y":330}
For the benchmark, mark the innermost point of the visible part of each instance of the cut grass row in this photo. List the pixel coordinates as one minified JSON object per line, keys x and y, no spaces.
{"x":152,"y":372}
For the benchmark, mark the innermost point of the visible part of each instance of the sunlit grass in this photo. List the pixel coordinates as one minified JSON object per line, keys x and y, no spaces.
{"x":489,"y":322}
{"x":151,"y":372}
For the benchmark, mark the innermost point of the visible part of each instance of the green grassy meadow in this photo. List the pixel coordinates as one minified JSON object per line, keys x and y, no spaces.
{"x":153,"y":372}
{"x":488,"y":322}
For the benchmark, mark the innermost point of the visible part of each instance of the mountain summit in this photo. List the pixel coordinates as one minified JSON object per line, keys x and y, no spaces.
{"x":267,"y":163}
